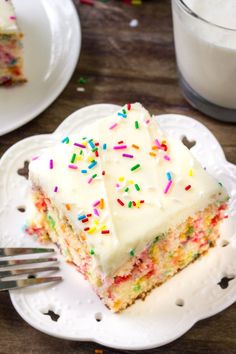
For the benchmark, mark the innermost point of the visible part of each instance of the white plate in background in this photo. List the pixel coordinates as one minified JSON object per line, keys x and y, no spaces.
{"x":52,"y":44}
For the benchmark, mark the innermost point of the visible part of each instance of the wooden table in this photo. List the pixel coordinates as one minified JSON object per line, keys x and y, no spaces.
{"x":122,"y":64}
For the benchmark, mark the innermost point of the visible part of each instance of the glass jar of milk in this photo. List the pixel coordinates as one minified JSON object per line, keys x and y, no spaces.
{"x":205,"y":45}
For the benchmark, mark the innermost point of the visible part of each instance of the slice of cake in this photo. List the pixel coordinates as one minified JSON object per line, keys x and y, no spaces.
{"x":127,"y":205}
{"x":11,"y":57}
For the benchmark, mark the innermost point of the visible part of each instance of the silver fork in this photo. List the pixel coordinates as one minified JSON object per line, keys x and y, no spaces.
{"x":15,"y":268}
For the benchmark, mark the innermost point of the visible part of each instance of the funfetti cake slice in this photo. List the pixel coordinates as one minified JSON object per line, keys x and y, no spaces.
{"x":11,"y":53}
{"x":127,"y":205}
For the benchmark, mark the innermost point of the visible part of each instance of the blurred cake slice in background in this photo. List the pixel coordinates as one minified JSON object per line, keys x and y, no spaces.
{"x":11,"y":53}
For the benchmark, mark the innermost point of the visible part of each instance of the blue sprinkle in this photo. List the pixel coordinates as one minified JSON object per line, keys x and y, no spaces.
{"x":81,"y":217}
{"x":83,"y":171}
{"x":122,"y":115}
{"x":91,"y":144}
{"x":92,"y":164}
{"x":104,"y":147}
{"x":168,"y":175}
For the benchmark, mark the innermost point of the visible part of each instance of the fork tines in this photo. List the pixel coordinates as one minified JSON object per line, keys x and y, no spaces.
{"x":31,"y":272}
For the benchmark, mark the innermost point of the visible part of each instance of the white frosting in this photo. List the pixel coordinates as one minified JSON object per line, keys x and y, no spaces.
{"x":130,"y":228}
{"x":8,"y":22}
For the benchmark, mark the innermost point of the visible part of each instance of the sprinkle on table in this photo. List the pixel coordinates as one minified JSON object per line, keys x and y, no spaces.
{"x":103,"y":173}
{"x":188,"y":187}
{"x":84,"y":171}
{"x":152,"y":154}
{"x":128,"y":156}
{"x":168,"y":175}
{"x":68,"y":207}
{"x":81,"y":217}
{"x":66,"y":140}
{"x":105,"y":232}
{"x":73,"y":158}
{"x":166,"y":157}
{"x":190,"y":172}
{"x":136,"y":124}
{"x":56,"y":189}
{"x":120,"y":202}
{"x":130,"y":204}
{"x":92,"y":251}
{"x":158,"y":143}
{"x":104,"y":146}
{"x":113,"y":126}
{"x":51,"y":164}
{"x":137,"y":187}
{"x":135,"y":167}
{"x":129,"y":106}
{"x":135,"y":146}
{"x":94,"y":163}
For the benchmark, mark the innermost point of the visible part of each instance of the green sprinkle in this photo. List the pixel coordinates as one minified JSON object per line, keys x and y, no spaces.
{"x":92,"y":252}
{"x":73,"y":158}
{"x":82,"y":80}
{"x":136,"y":124}
{"x":137,"y":287}
{"x":220,"y":184}
{"x":129,"y":204}
{"x":84,"y":138}
{"x":137,"y":187}
{"x":94,"y":176}
{"x":126,"y":189}
{"x":94,"y":149}
{"x":124,"y":111}
{"x":66,"y":140}
{"x":132,"y":253}
{"x":135,"y":167}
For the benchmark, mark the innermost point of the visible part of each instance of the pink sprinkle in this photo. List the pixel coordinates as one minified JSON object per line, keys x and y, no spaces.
{"x":119,"y":147}
{"x":12,"y":17}
{"x":80,"y":145}
{"x":96,"y":203}
{"x":166,"y":157}
{"x":90,"y":179}
{"x":117,"y":185}
{"x":56,"y":189}
{"x":35,"y":158}
{"x":168,"y":186}
{"x":113,"y":126}
{"x":158,"y":143}
{"x":51,"y":164}
{"x":128,"y":155}
{"x":96,"y":212}
{"x":147,"y":121}
{"x":73,"y":167}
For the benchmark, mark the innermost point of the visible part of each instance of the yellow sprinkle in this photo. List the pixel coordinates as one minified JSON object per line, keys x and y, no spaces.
{"x":92,"y":230}
{"x":101,"y":205}
{"x":104,"y":227}
{"x":190,"y":172}
{"x":121,"y":179}
{"x":137,"y":204}
{"x":131,"y":181}
{"x":96,"y":222}
{"x":91,"y":158}
{"x":78,"y":158}
{"x":152,"y":154}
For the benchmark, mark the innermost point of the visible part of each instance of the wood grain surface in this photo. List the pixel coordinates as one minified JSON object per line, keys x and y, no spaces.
{"x":122,"y":64}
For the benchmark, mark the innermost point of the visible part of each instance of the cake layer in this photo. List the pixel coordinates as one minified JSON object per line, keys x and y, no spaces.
{"x":121,"y":182}
{"x":11,"y":56}
{"x":167,"y":254}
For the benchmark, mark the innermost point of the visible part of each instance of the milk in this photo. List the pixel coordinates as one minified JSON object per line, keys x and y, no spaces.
{"x":206,"y":53}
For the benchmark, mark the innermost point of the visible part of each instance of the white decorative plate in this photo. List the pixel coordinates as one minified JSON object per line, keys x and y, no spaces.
{"x":170,"y":310}
{"x":51,"y":49}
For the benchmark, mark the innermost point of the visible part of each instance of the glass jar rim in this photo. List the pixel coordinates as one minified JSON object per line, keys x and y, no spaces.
{"x":190,"y":12}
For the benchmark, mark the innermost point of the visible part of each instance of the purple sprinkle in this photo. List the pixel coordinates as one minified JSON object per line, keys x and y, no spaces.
{"x":80,"y":145}
{"x":90,"y":180}
{"x":128,"y":155}
{"x":73,"y":167}
{"x":166,"y":157}
{"x":96,"y":203}
{"x":12,"y":17}
{"x":51,"y":164}
{"x":119,"y":147}
{"x":168,"y":186}
{"x":96,"y":212}
{"x":56,"y":189}
{"x":35,"y":158}
{"x":158,"y":144}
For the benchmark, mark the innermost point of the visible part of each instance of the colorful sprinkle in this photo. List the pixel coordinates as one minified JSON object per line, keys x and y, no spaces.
{"x":122,"y":115}
{"x":85,"y":220}
{"x":103,"y":173}
{"x":168,"y":186}
{"x":113,"y":126}
{"x":126,"y":189}
{"x":66,"y":140}
{"x":120,"y":202}
{"x":56,"y":189}
{"x":188,"y":187}
{"x":90,"y":180}
{"x":96,"y":212}
{"x":94,"y":176}
{"x":121,"y":142}
{"x":166,"y":157}
{"x":190,"y":172}
{"x":136,"y":124}
{"x":92,"y":230}
{"x":128,"y":106}
{"x":73,"y":158}
{"x":92,"y":251}
{"x":132,"y":253}
{"x":119,"y":147}
{"x":137,"y":187}
{"x":168,"y":175}
{"x":80,"y":145}
{"x":86,"y":229}
{"x":135,"y":146}
{"x":92,"y":164}
{"x":158,"y":143}
{"x":73,"y":167}
{"x":81,"y":217}
{"x":96,"y":203}
{"x":104,"y":232}
{"x":51,"y":164}
{"x":84,"y":171}
{"x":128,"y":155}
{"x":104,"y":146}
{"x":91,"y":143}
{"x":135,"y":167}
{"x":68,"y":207}
{"x":101,"y":203}
{"x":130,"y":204}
